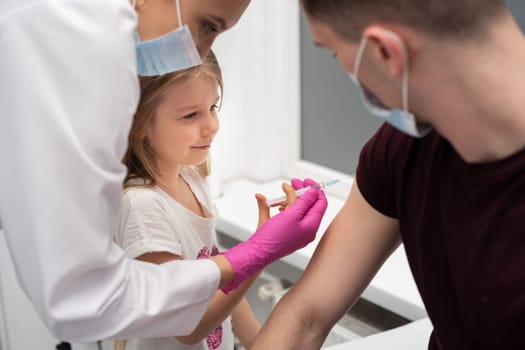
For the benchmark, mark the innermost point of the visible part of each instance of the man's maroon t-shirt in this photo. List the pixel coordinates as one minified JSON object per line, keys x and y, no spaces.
{"x":463,"y":229}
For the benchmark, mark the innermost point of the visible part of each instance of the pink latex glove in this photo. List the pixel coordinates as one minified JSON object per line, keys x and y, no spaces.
{"x":283,"y":234}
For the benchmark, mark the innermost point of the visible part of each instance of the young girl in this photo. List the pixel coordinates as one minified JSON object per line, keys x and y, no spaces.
{"x":166,"y":212}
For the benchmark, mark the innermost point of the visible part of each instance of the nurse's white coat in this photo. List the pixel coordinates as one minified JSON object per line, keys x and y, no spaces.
{"x":68,"y":90}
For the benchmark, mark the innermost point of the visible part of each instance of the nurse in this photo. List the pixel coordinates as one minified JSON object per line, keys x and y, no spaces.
{"x":69,"y":89}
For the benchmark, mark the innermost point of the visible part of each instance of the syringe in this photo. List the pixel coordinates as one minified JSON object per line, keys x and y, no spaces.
{"x":301,"y":191}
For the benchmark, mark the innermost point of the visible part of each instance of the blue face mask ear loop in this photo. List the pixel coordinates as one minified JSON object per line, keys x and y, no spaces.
{"x":359,"y":56}
{"x":405,"y":75}
{"x":404,"y":87}
{"x":179,"y":17}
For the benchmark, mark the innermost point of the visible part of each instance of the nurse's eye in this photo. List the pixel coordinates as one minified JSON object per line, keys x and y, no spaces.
{"x":334,"y":55}
{"x":207,"y":28}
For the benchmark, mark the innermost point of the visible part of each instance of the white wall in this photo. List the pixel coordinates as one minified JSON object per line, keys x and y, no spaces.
{"x":259,"y":58}
{"x":260,"y":121}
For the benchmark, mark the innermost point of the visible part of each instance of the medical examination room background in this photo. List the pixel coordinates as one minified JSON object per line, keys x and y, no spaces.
{"x":289,"y":110}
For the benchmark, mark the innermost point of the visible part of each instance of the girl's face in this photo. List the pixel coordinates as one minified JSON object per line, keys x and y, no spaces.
{"x":185,"y":123}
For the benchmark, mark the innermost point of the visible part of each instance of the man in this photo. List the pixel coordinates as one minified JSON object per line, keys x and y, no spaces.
{"x":69,"y":90}
{"x":445,"y":175}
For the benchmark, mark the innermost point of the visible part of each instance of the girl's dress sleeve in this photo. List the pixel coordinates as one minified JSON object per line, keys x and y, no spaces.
{"x":146,"y":225}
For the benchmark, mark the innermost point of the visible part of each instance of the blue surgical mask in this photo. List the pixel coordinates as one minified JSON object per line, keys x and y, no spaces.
{"x":400,"y":119}
{"x":171,"y":52}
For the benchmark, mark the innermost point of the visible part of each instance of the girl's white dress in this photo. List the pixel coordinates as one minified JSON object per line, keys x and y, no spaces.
{"x":152,"y":221}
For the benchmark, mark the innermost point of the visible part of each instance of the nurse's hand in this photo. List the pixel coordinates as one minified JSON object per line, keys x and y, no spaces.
{"x":281,"y":235}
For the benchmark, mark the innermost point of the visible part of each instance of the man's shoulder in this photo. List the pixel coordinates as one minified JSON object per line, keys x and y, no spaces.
{"x":391,"y":143}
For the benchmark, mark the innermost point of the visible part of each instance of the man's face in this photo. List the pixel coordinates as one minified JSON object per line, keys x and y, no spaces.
{"x":205,"y":18}
{"x":325,"y":37}
{"x":382,"y":63}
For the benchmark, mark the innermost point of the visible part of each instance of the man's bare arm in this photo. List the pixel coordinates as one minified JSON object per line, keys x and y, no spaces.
{"x":355,"y":245}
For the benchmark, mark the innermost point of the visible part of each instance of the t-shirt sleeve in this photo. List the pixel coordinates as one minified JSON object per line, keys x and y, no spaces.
{"x":145,"y":226}
{"x":377,"y":172}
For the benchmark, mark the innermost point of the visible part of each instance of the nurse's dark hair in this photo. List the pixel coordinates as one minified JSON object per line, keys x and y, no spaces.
{"x":140,"y":157}
{"x":446,"y":19}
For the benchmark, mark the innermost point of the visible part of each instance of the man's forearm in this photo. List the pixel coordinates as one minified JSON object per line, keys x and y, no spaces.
{"x":286,"y":329}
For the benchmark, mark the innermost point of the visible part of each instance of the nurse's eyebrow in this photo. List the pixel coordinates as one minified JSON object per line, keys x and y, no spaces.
{"x":318,"y":44}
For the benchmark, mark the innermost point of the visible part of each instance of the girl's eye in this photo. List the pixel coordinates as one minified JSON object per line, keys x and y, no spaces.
{"x":190,"y":116}
{"x":214,"y":108}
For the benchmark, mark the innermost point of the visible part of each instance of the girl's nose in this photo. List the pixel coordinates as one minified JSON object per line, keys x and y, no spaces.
{"x":212,"y":125}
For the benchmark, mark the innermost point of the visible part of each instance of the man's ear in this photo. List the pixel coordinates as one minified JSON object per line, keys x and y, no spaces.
{"x":388,"y":51}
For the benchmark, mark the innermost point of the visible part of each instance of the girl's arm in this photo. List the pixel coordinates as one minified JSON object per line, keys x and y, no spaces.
{"x":245,"y":325}
{"x":222,"y":305}
{"x":220,"y":308}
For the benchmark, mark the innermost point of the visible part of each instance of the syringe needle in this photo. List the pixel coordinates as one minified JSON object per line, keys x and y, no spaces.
{"x":281,"y":199}
{"x":301,"y":191}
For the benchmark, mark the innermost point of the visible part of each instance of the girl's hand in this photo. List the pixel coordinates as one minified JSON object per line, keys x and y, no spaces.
{"x":280,"y":235}
{"x":264,"y":210}
{"x":289,"y":190}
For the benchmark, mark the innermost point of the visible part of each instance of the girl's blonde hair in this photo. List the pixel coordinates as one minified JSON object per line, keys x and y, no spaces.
{"x":140,"y":157}
{"x":120,"y":344}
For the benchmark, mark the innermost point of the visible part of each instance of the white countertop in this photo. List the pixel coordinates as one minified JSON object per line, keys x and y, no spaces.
{"x":413,"y":336}
{"x":393,"y":286}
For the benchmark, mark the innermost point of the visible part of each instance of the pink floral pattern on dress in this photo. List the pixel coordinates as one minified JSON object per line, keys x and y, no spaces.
{"x":214,"y":250}
{"x":204,"y":253}
{"x":214,"y":339}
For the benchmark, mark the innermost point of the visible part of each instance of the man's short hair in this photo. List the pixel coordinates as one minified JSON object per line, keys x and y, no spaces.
{"x":461,"y":19}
